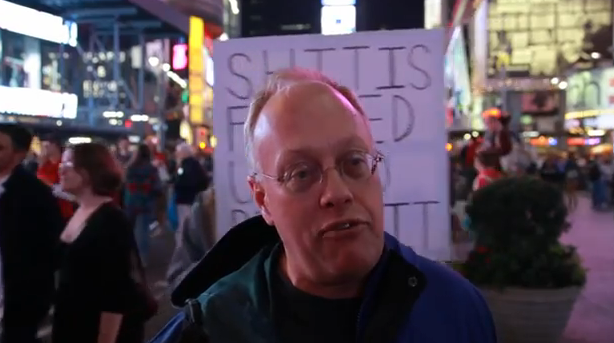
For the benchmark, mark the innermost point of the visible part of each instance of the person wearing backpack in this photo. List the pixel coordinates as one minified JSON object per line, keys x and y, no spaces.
{"x":316,"y":265}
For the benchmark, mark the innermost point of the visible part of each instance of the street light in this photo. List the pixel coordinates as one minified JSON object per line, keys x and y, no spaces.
{"x":563,"y":85}
{"x":595,"y":55}
{"x":554,"y":80}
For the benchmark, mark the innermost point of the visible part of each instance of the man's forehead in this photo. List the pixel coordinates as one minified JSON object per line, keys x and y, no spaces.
{"x":317,"y":110}
{"x":304,"y":96}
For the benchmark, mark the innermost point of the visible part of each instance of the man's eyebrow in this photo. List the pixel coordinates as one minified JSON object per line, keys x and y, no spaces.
{"x":345,"y":142}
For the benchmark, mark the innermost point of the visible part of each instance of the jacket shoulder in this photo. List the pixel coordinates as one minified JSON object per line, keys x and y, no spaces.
{"x":228,"y":306}
{"x":466,"y":306}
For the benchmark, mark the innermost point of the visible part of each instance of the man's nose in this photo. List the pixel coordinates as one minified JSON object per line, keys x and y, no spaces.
{"x":336,"y":192}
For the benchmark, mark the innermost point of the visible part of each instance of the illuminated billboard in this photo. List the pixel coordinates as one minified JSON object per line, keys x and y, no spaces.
{"x":196,"y":67}
{"x":543,"y":38}
{"x":338,"y":20}
{"x":41,"y":25}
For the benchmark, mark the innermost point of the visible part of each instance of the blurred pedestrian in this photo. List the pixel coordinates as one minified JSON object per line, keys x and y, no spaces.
{"x":48,"y":172}
{"x":191,"y":179}
{"x":143,"y":187}
{"x":30,"y":226}
{"x":573,"y":176}
{"x":101,"y":289}
{"x":198,"y":236}
{"x":487,"y":164}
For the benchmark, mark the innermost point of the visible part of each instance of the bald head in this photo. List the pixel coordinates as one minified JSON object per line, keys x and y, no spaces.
{"x":291,"y":91}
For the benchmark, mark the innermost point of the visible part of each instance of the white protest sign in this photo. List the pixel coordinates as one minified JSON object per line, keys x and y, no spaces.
{"x":398,"y":76}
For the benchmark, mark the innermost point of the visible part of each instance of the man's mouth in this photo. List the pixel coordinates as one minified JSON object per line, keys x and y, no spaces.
{"x":340,"y":227}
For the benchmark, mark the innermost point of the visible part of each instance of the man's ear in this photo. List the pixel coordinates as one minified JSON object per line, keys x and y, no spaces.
{"x":259,"y":195}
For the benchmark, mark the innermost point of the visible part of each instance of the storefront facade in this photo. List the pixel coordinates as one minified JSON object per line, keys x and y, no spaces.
{"x":590,"y":106}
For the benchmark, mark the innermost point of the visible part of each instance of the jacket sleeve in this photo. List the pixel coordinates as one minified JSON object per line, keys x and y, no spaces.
{"x":46,"y":225}
{"x":479,"y":321}
{"x":505,"y":142}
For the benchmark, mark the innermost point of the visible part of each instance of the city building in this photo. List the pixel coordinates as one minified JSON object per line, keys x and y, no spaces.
{"x":533,"y":60}
{"x":280,"y":17}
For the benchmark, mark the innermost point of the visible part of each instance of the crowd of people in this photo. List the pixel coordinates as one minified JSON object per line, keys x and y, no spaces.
{"x":75,"y":225}
{"x":315,"y":266}
{"x":475,"y":167}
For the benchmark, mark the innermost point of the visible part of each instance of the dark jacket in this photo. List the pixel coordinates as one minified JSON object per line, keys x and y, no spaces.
{"x":408,"y":298}
{"x":191,"y":180}
{"x":30,"y":226}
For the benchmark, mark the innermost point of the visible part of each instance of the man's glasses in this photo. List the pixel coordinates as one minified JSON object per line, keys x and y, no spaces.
{"x":356,"y":166}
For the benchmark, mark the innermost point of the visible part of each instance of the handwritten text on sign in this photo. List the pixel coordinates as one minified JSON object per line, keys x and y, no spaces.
{"x":398,"y":76}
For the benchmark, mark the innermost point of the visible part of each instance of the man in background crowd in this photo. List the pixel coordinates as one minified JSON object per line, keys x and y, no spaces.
{"x":30,"y":226}
{"x":123,"y":153}
{"x":49,"y":172}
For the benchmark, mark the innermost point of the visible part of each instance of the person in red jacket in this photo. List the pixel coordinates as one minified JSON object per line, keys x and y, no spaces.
{"x":49,"y":171}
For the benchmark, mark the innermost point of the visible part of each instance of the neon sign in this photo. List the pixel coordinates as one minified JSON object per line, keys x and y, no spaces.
{"x":180,"y":56}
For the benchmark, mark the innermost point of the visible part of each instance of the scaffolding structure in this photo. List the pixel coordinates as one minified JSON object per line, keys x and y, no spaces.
{"x":107,"y":29}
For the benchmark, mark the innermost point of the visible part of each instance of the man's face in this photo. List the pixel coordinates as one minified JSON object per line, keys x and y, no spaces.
{"x":7,"y":154}
{"x":50,"y":149}
{"x":124,"y":144}
{"x":493,"y":124}
{"x":313,"y":125}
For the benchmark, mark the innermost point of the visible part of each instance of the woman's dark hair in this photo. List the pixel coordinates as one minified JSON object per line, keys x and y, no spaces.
{"x":143,"y":154}
{"x":96,"y":160}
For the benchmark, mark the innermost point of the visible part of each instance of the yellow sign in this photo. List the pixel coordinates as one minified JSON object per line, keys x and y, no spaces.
{"x":588,"y":113}
{"x":196,"y":78}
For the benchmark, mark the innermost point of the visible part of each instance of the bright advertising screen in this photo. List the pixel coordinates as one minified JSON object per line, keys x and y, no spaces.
{"x":541,"y":38}
{"x":41,"y":25}
{"x":457,"y":80}
{"x":338,"y":20}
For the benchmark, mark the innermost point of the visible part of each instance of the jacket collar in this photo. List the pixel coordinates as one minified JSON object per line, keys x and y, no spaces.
{"x":244,"y":241}
{"x":246,"y":304}
{"x":237,"y":247}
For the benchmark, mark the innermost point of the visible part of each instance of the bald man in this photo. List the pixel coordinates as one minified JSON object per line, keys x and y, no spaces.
{"x":316,"y":265}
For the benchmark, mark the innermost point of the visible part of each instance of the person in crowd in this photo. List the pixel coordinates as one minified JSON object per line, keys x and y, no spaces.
{"x":123,"y":153}
{"x":606,"y":166}
{"x":30,"y":226}
{"x":143,"y":188}
{"x":317,"y":265}
{"x":190,"y":180}
{"x":31,"y":162}
{"x":598,"y":185}
{"x":573,"y":175}
{"x":198,"y":236}
{"x":498,"y":136}
{"x":551,"y":172}
{"x":486,"y":163}
{"x":48,"y":172}
{"x":160,"y":162}
{"x":468,"y":154}
{"x":97,"y":297}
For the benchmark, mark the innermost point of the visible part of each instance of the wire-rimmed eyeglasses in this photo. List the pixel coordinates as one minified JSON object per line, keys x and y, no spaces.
{"x":355,"y":166}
